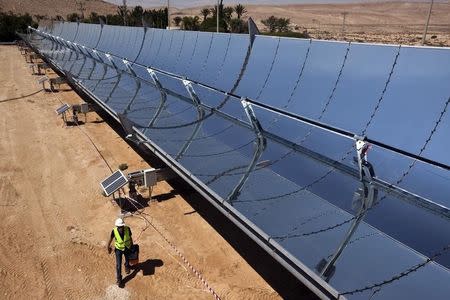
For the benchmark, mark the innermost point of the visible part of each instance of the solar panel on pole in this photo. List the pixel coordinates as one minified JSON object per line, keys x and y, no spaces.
{"x":62,"y":109}
{"x":114,"y":182}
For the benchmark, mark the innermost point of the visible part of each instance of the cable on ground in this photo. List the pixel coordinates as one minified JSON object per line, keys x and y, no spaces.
{"x":149,"y":223}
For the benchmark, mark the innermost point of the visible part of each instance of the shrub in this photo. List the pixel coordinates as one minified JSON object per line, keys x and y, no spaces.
{"x":11,"y":23}
{"x":123,"y":167}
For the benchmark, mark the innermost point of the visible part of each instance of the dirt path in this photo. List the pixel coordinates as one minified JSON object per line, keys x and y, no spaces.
{"x":55,"y":223}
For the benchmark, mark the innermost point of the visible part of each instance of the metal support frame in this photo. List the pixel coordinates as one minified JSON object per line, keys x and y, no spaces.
{"x":200,"y":114}
{"x":362,"y":171}
{"x":110,"y":59}
{"x":163,"y":100}
{"x":133,"y":98}
{"x":116,"y":84}
{"x":42,"y":81}
{"x":394,"y":190}
{"x":56,"y":81}
{"x":83,"y":108}
{"x":141,"y":177}
{"x":129,"y":67}
{"x":365,"y":197}
{"x":37,"y":68}
{"x":362,"y":147}
{"x":260,"y":144}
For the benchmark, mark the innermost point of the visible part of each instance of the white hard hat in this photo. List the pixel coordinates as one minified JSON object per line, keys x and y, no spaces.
{"x":119,"y":222}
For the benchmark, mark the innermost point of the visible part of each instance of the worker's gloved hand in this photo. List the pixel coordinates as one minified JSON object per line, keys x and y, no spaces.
{"x":109,"y":250}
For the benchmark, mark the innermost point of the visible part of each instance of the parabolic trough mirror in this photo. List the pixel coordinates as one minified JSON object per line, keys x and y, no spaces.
{"x":333,"y":156}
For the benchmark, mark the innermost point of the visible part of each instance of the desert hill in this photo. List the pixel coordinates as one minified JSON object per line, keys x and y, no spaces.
{"x":380,"y":22}
{"x":52,"y":8}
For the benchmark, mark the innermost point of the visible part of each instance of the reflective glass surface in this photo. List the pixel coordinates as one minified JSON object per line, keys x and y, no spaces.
{"x":298,"y":186}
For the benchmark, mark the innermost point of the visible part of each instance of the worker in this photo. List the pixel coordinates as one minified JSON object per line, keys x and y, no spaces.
{"x":123,"y":242}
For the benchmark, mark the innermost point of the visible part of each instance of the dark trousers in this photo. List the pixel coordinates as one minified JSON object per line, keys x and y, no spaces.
{"x":119,"y":262}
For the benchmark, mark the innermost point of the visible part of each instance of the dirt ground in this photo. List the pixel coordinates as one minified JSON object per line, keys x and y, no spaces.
{"x":55,"y":222}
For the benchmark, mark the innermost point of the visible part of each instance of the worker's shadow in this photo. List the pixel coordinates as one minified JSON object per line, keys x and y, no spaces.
{"x":147,"y":267}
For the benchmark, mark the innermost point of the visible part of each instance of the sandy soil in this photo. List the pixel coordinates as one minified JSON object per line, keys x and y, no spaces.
{"x":55,"y":223}
{"x":54,"y":8}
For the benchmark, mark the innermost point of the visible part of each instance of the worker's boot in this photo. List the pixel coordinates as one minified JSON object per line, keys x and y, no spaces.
{"x":119,"y":282}
{"x":127,"y":270}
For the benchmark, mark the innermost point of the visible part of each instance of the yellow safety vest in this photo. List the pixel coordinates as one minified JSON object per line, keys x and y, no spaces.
{"x":126,"y":242}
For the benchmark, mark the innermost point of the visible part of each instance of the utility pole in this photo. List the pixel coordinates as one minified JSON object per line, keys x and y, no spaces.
{"x":344,"y":17}
{"x":125,"y":9}
{"x":217,"y":13}
{"x":428,"y":22}
{"x":81,"y":8}
{"x":168,"y":14}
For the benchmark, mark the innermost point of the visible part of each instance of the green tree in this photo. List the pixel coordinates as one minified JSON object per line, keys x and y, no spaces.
{"x":274,"y":24}
{"x":39,"y":17}
{"x":283,"y":24}
{"x":228,"y":12}
{"x":136,"y":15}
{"x":205,"y":13}
{"x":94,"y":18}
{"x":177,"y":20}
{"x":114,"y":20}
{"x":11,"y":23}
{"x":73,"y":17}
{"x":122,"y":11}
{"x":240,"y":10}
{"x":191,"y":23}
{"x":238,"y":26}
{"x":270,"y":23}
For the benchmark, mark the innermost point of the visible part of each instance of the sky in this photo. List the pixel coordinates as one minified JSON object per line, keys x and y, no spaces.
{"x":194,"y":3}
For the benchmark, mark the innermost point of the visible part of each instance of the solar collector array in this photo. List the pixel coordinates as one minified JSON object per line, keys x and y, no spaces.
{"x":295,"y":196}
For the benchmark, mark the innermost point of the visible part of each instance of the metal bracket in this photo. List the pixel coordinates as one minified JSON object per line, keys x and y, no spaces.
{"x":362,"y":147}
{"x":98,"y":57}
{"x":154,"y":78}
{"x":138,"y":88}
{"x":261,"y":144}
{"x":253,"y":120}
{"x":163,"y":97}
{"x":200,"y":116}
{"x":109,"y":57}
{"x":192,"y":94}
{"x":42,"y":81}
{"x":364,"y":199}
{"x":37,"y":68}
{"x":82,"y":50}
{"x":150,"y":177}
{"x":55,"y":81}
{"x":129,"y":67}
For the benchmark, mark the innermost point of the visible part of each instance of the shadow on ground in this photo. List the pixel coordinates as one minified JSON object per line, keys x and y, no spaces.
{"x":147,"y":267}
{"x":281,"y":280}
{"x":127,"y":205}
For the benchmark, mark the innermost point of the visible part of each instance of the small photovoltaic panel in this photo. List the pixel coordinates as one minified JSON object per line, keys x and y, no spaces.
{"x":114,"y":182}
{"x":62,"y":109}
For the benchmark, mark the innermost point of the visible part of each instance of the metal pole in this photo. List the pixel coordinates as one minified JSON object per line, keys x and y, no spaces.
{"x":344,"y":15}
{"x":217,"y":13}
{"x":168,"y":14}
{"x":428,"y":22}
{"x":124,"y":12}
